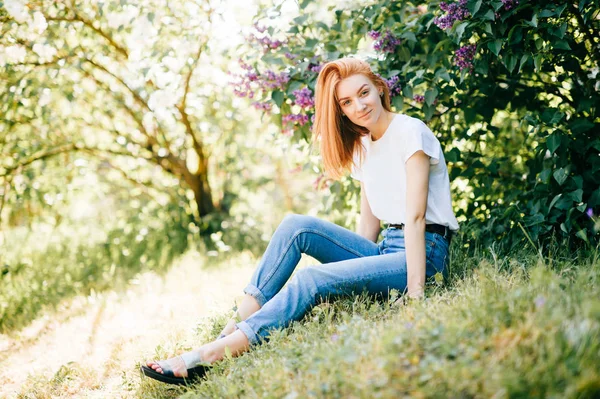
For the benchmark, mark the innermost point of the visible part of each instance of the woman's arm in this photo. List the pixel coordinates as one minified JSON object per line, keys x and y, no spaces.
{"x":369,"y":225}
{"x":417,"y":187}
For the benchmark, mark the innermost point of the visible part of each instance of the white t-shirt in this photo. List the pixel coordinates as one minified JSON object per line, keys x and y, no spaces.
{"x":383,"y":172}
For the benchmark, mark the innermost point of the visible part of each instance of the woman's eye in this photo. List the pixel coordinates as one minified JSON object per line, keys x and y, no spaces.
{"x":364,"y":93}
{"x":346,"y":102}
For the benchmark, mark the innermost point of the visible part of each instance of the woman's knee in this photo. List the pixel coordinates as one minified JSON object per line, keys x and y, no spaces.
{"x":294,"y":223}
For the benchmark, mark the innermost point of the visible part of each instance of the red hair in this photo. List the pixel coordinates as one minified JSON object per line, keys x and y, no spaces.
{"x":340,"y":138}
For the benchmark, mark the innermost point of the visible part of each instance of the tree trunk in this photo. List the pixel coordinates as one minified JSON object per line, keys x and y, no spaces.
{"x":202,"y":193}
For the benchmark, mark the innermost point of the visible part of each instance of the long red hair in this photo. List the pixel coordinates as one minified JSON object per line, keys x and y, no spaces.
{"x":340,"y":138}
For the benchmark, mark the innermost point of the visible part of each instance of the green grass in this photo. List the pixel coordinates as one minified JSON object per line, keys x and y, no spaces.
{"x":39,"y":271}
{"x":503,"y":327}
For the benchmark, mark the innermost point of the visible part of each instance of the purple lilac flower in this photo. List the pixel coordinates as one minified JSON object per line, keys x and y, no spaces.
{"x":290,"y":56}
{"x":463,"y":57}
{"x":386,"y":43}
{"x":266,"y":42}
{"x":304,"y":98}
{"x":508,"y":4}
{"x":299,"y":119}
{"x":419,"y":98}
{"x":250,"y":81}
{"x":259,"y":29}
{"x":590,"y":213}
{"x":393,"y":84}
{"x":264,"y":106}
{"x":454,"y":12}
{"x":315,"y":68}
{"x":374,"y":34}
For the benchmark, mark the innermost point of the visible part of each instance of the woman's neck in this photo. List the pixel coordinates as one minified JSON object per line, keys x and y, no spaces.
{"x":381,"y":126}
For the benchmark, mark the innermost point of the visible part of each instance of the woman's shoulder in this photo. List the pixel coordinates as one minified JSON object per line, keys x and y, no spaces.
{"x":410,"y":121}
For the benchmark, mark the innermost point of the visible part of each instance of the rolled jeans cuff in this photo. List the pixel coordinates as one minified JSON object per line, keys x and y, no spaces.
{"x":253,"y":291}
{"x":250,"y":334}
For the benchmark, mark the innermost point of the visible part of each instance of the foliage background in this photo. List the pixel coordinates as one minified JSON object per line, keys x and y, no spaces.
{"x":510,"y":87}
{"x":130,"y":133}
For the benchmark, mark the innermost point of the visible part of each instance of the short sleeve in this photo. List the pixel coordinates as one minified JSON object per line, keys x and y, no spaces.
{"x":421,"y":138}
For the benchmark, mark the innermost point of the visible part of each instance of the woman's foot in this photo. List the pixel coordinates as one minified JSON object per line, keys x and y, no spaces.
{"x":174,"y":365}
{"x":179,"y":370}
{"x":177,"y":366}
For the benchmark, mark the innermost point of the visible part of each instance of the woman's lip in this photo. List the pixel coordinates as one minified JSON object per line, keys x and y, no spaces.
{"x":361,"y":117}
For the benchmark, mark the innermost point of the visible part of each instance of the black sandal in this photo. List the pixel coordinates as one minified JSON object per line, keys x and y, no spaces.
{"x":194,"y":374}
{"x":196,"y":369}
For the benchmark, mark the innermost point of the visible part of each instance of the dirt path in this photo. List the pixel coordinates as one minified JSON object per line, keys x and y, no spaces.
{"x":90,"y":349}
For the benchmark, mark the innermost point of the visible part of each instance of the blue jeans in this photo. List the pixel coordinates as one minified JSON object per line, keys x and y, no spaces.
{"x":350,"y":264}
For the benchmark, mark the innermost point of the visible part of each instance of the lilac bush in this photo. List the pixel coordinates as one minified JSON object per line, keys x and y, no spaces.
{"x":454,"y":12}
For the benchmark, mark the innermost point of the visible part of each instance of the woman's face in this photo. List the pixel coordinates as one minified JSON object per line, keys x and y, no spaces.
{"x":359,"y":100}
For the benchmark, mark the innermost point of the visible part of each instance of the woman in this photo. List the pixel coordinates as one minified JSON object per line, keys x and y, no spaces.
{"x":404,"y":182}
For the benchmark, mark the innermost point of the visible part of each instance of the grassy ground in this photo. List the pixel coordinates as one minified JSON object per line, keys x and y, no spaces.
{"x":518,"y":326}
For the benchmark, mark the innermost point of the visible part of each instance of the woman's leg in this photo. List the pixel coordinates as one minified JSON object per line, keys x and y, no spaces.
{"x":375,"y":274}
{"x":297,"y":234}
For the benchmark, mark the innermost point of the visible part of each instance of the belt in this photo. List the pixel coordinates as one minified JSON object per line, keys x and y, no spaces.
{"x":444,"y":231}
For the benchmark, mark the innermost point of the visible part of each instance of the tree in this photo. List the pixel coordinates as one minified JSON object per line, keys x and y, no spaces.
{"x":131,"y":85}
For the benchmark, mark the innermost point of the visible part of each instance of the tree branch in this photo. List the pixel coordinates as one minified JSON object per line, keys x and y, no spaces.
{"x":78,"y":18}
{"x":135,"y":95}
{"x":39,"y":156}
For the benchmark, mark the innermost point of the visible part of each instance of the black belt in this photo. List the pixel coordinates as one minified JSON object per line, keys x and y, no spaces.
{"x":444,"y":231}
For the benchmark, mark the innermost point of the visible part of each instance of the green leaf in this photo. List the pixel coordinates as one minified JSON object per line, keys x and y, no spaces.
{"x":582,"y":234}
{"x":576,"y":195}
{"x":515,"y":35}
{"x":398,"y":102}
{"x":489,"y":15}
{"x":524,"y":60}
{"x":495,"y":46}
{"x":581,"y":125}
{"x":553,"y":142}
{"x":474,"y":6}
{"x":552,"y":116}
{"x":546,"y":13}
{"x":510,"y":62}
{"x":410,"y":36}
{"x":537,"y":62}
{"x":443,"y":74}
{"x":533,"y":22}
{"x":560,"y":32}
{"x":277,"y":97}
{"x":430,"y":95}
{"x":594,"y":199}
{"x":560,"y":175}
{"x":407,"y":91}
{"x":562,"y":45}
{"x":301,"y":19}
{"x":429,"y":111}
{"x":553,"y":202}
{"x":323,"y":26}
{"x":459,"y":30}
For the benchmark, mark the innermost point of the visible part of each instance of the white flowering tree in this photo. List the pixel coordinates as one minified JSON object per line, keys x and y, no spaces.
{"x":131,"y":85}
